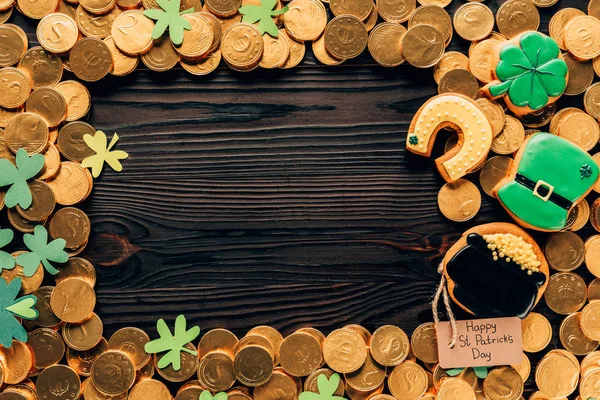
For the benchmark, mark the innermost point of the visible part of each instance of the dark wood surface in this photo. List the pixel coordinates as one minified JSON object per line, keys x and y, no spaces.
{"x":274,"y":197}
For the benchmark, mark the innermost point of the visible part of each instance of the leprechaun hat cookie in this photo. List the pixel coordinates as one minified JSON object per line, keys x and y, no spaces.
{"x":530,"y":72}
{"x":462,"y":114}
{"x":549,"y":176}
{"x":496,"y":270}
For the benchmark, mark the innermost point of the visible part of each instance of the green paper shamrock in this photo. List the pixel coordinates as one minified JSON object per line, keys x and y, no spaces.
{"x":41,"y":252}
{"x":27,"y":167}
{"x":327,"y":388}
{"x":531,"y":73}
{"x":206,"y":395}
{"x":11,"y":306}
{"x":175,"y":344}
{"x":480,"y":372}
{"x":263,"y":15}
{"x":7,"y":261}
{"x":170,"y":18}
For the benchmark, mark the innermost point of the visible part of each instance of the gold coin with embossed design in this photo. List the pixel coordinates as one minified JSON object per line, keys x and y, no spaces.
{"x":92,"y":25}
{"x":112,"y":373}
{"x":78,"y":98}
{"x":590,"y":385}
{"x":455,"y":389}
{"x":408,"y":381}
{"x":459,"y":81}
{"x":131,"y":341}
{"x":42,"y":202}
{"x":149,"y":389}
{"x":215,"y":371}
{"x":503,"y":383}
{"x":84,"y":335}
{"x":581,"y":75}
{"x":590,"y":320}
{"x":389,"y":345}
{"x":276,"y":51}
{"x":573,"y":338}
{"x":537,"y":332}
{"x":566,"y":293}
{"x":223,"y":8}
{"x":13,"y":44}
{"x":58,"y":382}
{"x":473,"y":21}
{"x":71,"y":184}
{"x":396,"y":11}
{"x":434,"y":16}
{"x":132,"y":32}
{"x":90,"y":59}
{"x":582,"y":37}
{"x":423,"y":46}
{"x":594,"y":290}
{"x":321,"y":53}
{"x":385,"y":44}
{"x":198,"y":41}
{"x":565,"y":251}
{"x":49,"y":104}
{"x":202,"y":66}
{"x":36,"y":9}
{"x":557,"y":375}
{"x":253,"y":365}
{"x":556,"y":27}
{"x":57,"y":33}
{"x":592,"y":255}
{"x":161,"y":57}
{"x":123,"y":64}
{"x":358,"y":8}
{"x":242,"y":46}
{"x":345,"y":37}
{"x":523,"y":368}
{"x":311,"y":382}
{"x":517,"y":16}
{"x":493,"y":171}
{"x":368,"y":377}
{"x":41,"y":67}
{"x":73,"y":300}
{"x":579,"y":128}
{"x":280,"y":386}
{"x":47,"y":346}
{"x":510,"y":138}
{"x":450,"y":60}
{"x":17,"y":361}
{"x":344,"y":350}
{"x":15,"y":87}
{"x":305,"y":19}
{"x":591,"y":100}
{"x":26,"y":131}
{"x":459,"y":201}
{"x":301,"y":354}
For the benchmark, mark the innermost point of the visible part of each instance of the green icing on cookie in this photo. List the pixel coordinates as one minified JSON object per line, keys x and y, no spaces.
{"x":558,"y":163}
{"x":531,"y":73}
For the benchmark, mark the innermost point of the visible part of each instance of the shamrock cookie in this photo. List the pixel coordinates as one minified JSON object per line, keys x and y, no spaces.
{"x":548,"y":177}
{"x":496,"y":270}
{"x":462,"y":114}
{"x":530,"y":71}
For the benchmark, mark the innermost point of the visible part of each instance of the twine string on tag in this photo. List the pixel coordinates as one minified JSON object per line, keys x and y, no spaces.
{"x":442,"y":291}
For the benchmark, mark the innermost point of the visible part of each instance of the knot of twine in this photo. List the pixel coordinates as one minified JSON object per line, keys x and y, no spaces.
{"x":442,"y":291}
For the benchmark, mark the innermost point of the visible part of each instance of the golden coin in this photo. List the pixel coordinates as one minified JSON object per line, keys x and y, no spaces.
{"x":345,"y":37}
{"x":396,"y":11}
{"x":557,"y":375}
{"x":523,"y":368}
{"x":510,"y":138}
{"x":98,"y":6}
{"x":161,"y":57}
{"x":408,"y":381}
{"x":91,"y":393}
{"x":300,"y":354}
{"x":26,"y":131}
{"x":276,"y":51}
{"x":43,"y":202}
{"x":372,"y":19}
{"x":113,"y":373}
{"x":595,"y":208}
{"x":573,"y":338}
{"x":81,"y":361}
{"x":494,"y":170}
{"x":454,"y":388}
{"x":223,"y":8}
{"x":438,"y":3}
{"x":149,"y":389}
{"x":517,"y":16}
{"x":19,"y":223}
{"x":29,"y":283}
{"x":537,"y":332}
{"x":57,"y":33}
{"x":198,"y":41}
{"x":66,"y":8}
{"x":131,"y":341}
{"x":358,"y":8}
{"x":494,"y":36}
{"x":559,"y":118}
{"x":592,"y":255}
{"x":311,"y":382}
{"x":73,"y":300}
{"x":480,"y":60}
{"x":37,"y":9}
{"x":84,"y":335}
{"x":389,"y":345}
{"x":423,"y":46}
{"x":590,"y":362}
{"x":450,"y":60}
{"x":539,"y":117}
{"x":5,"y":116}
{"x":70,"y":141}
{"x":590,"y":320}
{"x":564,"y":251}
{"x":434,"y":16}
{"x":459,"y":81}
{"x":253,"y":365}
{"x":594,"y":290}
{"x":590,"y":385}
{"x":76,"y":267}
{"x":5,"y":15}
{"x":581,"y":129}
{"x":192,"y":393}
{"x":51,"y":162}
{"x":217,"y":340}
{"x":13,"y":45}
{"x":559,"y":21}
{"x":581,"y":75}
{"x":459,"y":201}
{"x":90,"y":59}
{"x":215,"y":371}
{"x":15,"y":87}
{"x":202,"y":66}
{"x":297,"y":51}
{"x":77,"y":97}
{"x":354,"y":394}
{"x":58,"y":382}
{"x":46,"y":318}
{"x":280,"y":386}
{"x":473,"y":21}
{"x":93,"y":25}
{"x":321,"y":53}
{"x":503,"y":383}
{"x":494,"y":113}
{"x":217,"y":29}
{"x":344,"y":350}
{"x":591,"y":100}
{"x":368,"y":377}
{"x":566,"y":293}
{"x":189,"y":366}
{"x":272,"y":335}
{"x":582,"y":37}
{"x":123,"y":64}
{"x":17,"y":361}
{"x":47,"y":346}
{"x":305,"y":19}
{"x":424,"y":342}
{"x":132,"y":32}
{"x":146,"y":372}
{"x":71,"y":185}
{"x":49,"y":104}
{"x":242,"y":46}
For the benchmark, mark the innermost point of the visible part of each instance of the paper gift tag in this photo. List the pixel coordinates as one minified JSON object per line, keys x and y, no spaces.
{"x":481,"y":343}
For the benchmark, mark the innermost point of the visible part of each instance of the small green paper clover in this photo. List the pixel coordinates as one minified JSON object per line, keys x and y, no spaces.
{"x":206,"y":395}
{"x":263,"y":15}
{"x":11,"y":307}
{"x":41,"y":252}
{"x":27,"y":167}
{"x":170,"y":17}
{"x":585,"y":171}
{"x":413,"y":139}
{"x":7,"y":261}
{"x":327,"y":388}
{"x":174,"y":344}
{"x":532,"y":72}
{"x":480,"y":372}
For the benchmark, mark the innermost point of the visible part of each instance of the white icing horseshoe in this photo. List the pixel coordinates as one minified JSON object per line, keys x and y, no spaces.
{"x":473,"y":128}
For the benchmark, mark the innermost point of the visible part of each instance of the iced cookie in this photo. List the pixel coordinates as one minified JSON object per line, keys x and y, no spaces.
{"x":496,"y":270}
{"x":530,"y":72}
{"x":462,"y":114}
{"x":548,"y":177}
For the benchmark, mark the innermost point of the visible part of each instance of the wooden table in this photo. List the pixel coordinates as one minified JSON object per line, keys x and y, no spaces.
{"x":274,"y":197}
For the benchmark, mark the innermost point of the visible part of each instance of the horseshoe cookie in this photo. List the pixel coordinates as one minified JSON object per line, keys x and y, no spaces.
{"x":463,"y":115}
{"x":496,"y":270}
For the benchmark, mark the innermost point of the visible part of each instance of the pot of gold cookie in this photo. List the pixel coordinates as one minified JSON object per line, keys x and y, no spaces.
{"x":496,"y":270}
{"x":530,"y":72}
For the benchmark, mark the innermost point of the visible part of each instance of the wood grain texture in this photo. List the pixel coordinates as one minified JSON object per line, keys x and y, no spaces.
{"x":274,"y":197}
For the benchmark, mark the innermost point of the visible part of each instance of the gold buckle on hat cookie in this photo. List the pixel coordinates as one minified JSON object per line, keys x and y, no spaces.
{"x":545,"y":184}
